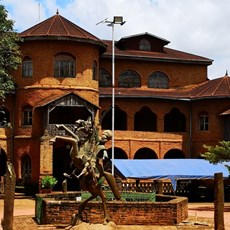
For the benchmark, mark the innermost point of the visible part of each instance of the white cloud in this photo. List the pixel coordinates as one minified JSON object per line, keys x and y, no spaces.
{"x":199,"y":27}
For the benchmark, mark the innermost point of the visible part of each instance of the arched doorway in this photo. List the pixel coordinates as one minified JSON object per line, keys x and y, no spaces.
{"x":120,"y":119}
{"x":145,"y":120}
{"x":145,"y":153}
{"x":62,"y":164}
{"x":118,"y":153}
{"x":174,"y":154}
{"x":174,"y":121}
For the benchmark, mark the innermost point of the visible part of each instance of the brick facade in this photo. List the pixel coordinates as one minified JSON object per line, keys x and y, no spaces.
{"x":44,"y":94}
{"x":166,"y":211}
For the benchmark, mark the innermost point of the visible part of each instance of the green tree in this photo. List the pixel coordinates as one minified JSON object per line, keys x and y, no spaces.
{"x":218,"y":154}
{"x":10,"y":56}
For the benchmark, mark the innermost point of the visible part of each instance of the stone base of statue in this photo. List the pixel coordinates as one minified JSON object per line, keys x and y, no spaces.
{"x":87,"y":226}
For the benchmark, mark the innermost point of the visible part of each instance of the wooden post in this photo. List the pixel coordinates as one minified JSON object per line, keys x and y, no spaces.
{"x":219,"y":201}
{"x":10,"y":180}
{"x":159,"y":187}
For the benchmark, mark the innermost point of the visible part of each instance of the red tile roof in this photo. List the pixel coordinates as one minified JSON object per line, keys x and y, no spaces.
{"x":216,"y":88}
{"x":169,"y":55}
{"x":219,"y":87}
{"x":58,"y":26}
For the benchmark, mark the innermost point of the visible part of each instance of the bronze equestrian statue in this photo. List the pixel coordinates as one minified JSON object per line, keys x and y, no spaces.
{"x":87,"y":154}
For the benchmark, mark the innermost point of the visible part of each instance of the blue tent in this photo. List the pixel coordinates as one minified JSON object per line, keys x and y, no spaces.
{"x":172,"y":169}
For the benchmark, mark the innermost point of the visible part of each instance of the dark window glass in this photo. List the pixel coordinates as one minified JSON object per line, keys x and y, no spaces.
{"x":129,"y":79}
{"x":27,"y":67}
{"x":105,"y":78}
{"x":158,"y":80}
{"x":64,"y":66}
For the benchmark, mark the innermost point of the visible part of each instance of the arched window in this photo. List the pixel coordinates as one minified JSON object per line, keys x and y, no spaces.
{"x":129,"y":79}
{"x":175,"y":121}
{"x":27,"y":115}
{"x":4,"y":117}
{"x":27,"y":67}
{"x":94,"y":70}
{"x":64,"y":65}
{"x":203,"y":121}
{"x":144,"y":44}
{"x":145,"y":120}
{"x":158,"y":80}
{"x":120,"y":121}
{"x":26,"y":166}
{"x":105,"y":78}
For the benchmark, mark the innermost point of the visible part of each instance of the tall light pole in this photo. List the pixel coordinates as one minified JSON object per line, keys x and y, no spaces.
{"x":116,"y":20}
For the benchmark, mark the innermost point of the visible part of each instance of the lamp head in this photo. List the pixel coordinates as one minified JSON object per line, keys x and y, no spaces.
{"x":118,"y":20}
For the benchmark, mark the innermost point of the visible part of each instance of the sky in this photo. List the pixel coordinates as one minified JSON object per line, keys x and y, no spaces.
{"x":194,"y":26}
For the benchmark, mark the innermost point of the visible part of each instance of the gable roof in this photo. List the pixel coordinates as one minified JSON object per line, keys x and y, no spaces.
{"x":59,"y":27}
{"x":146,"y":34}
{"x":52,"y":99}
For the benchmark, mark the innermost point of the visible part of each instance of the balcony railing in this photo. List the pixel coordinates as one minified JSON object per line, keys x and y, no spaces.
{"x":54,"y":131}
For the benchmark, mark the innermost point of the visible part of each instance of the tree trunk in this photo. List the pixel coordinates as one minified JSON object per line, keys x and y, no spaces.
{"x":10,"y":180}
{"x":219,"y":201}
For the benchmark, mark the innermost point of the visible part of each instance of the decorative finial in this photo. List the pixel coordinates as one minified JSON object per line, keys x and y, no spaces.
{"x":226,"y":74}
{"x":57,"y":12}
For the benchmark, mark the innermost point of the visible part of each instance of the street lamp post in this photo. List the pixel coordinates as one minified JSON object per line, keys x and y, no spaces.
{"x":116,"y":20}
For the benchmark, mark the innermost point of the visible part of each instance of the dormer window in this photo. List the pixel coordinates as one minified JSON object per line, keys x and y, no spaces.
{"x":144,"y":45}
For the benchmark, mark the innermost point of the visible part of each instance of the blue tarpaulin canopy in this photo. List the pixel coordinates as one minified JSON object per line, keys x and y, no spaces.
{"x":172,"y":169}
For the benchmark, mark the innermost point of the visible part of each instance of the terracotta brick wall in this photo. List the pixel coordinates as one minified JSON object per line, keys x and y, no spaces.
{"x":163,"y":212}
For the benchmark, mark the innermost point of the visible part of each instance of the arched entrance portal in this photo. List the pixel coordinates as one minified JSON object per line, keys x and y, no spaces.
{"x":118,"y":153}
{"x":174,"y":154}
{"x":145,"y":153}
{"x":62,"y":164}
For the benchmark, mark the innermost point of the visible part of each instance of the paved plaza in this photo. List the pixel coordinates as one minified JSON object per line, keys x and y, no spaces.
{"x":201,"y":216}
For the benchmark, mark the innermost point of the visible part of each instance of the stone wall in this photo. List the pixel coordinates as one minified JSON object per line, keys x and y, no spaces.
{"x":167,"y":210}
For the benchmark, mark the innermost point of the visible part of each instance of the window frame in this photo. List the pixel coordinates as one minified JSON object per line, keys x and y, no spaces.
{"x":64,"y":66}
{"x":144,"y":45}
{"x":105,"y":78}
{"x":127,"y":79}
{"x":27,"y":67}
{"x":95,"y":77}
{"x":161,"y":80}
{"x":203,"y":121}
{"x":27,"y":116}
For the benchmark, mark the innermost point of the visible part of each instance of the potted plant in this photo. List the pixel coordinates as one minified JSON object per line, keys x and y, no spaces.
{"x":48,"y":183}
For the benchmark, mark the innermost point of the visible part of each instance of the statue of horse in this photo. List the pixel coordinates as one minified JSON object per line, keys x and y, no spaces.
{"x":87,"y":155}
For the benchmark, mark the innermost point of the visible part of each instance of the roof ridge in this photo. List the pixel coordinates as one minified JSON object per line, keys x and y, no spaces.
{"x":51,"y":24}
{"x":218,"y":85}
{"x":228,"y":83}
{"x":61,"y":20}
{"x":206,"y":88}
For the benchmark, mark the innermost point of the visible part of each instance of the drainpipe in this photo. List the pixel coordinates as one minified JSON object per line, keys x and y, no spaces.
{"x":190,"y":129}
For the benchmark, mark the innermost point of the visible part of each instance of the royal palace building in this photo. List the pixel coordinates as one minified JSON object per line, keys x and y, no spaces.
{"x":165,"y":105}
